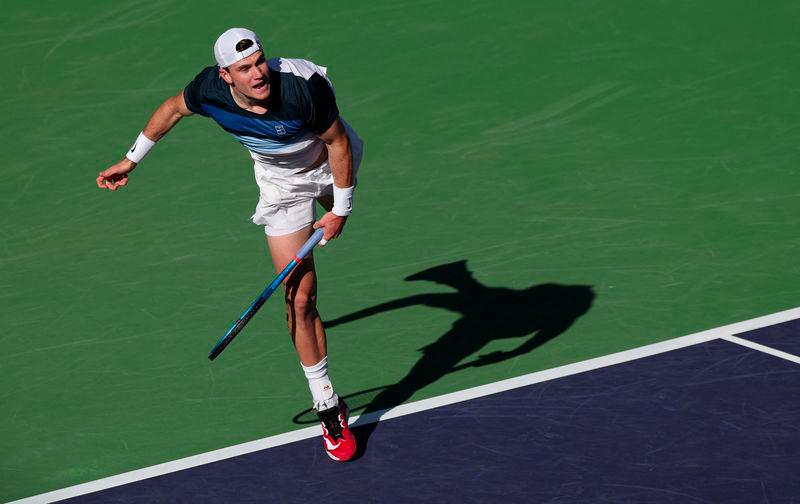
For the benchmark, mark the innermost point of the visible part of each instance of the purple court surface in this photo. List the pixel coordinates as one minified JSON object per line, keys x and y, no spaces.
{"x":714,"y":422}
{"x":784,"y":337}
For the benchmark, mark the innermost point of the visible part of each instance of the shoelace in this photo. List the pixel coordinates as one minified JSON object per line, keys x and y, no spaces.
{"x":331,"y":423}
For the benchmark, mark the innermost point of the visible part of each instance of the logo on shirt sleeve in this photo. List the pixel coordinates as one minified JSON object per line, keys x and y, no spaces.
{"x":280,"y":129}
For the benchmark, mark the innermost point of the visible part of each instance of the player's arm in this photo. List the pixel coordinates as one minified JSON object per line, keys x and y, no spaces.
{"x":340,"y":159}
{"x":163,"y":119}
{"x":339,"y":156}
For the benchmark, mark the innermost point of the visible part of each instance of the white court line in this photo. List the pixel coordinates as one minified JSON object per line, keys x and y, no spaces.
{"x":406,"y":409}
{"x":762,"y":348}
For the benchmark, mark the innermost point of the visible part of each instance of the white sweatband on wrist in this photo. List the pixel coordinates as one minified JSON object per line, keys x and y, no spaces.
{"x":140,"y":148}
{"x":342,"y":201}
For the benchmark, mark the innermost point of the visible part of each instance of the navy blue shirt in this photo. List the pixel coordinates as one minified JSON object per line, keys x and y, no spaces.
{"x":301,"y":106}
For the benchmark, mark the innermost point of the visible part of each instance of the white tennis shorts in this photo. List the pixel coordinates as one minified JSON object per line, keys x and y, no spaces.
{"x":287,"y":199}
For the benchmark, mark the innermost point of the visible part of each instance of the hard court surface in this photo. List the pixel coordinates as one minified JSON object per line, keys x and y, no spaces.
{"x":544,"y":183}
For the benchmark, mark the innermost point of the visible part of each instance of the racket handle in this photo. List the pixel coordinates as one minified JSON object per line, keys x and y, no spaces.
{"x":310,"y":243}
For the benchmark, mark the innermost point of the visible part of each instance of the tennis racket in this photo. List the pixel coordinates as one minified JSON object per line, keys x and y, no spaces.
{"x":262,"y":298}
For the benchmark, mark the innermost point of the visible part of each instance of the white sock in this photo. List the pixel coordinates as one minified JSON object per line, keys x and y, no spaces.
{"x":320,"y":385}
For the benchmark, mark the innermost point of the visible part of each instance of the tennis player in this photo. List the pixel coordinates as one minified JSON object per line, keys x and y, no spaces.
{"x":284,"y":112}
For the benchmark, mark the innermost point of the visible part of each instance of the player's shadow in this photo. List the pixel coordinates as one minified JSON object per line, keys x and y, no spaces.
{"x":538,"y":313}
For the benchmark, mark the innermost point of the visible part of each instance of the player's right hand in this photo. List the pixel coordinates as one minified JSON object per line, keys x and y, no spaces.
{"x":116,"y":175}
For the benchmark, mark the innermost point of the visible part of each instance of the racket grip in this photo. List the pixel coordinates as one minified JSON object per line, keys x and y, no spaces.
{"x":310,"y":243}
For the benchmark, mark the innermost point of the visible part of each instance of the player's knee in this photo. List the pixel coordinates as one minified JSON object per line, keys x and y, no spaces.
{"x":301,"y":304}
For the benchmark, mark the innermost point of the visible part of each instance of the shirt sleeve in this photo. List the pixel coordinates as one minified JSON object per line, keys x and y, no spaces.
{"x":195,"y":92}
{"x":322,"y":111}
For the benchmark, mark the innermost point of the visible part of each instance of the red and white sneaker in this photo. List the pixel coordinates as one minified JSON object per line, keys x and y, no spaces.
{"x":340,"y":445}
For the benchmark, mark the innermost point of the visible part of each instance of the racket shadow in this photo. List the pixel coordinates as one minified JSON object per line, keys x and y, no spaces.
{"x":536,"y":315}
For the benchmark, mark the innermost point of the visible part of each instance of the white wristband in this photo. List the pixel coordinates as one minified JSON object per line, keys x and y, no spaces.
{"x":140,"y":148}
{"x":342,"y":201}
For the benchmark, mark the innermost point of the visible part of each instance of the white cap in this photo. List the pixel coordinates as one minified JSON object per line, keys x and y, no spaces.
{"x":225,"y":47}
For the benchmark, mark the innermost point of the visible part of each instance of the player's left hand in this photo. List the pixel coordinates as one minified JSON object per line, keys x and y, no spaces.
{"x":332,"y":224}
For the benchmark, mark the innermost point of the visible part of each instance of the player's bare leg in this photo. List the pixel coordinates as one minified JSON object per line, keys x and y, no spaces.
{"x":304,"y":322}
{"x":308,"y":336}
